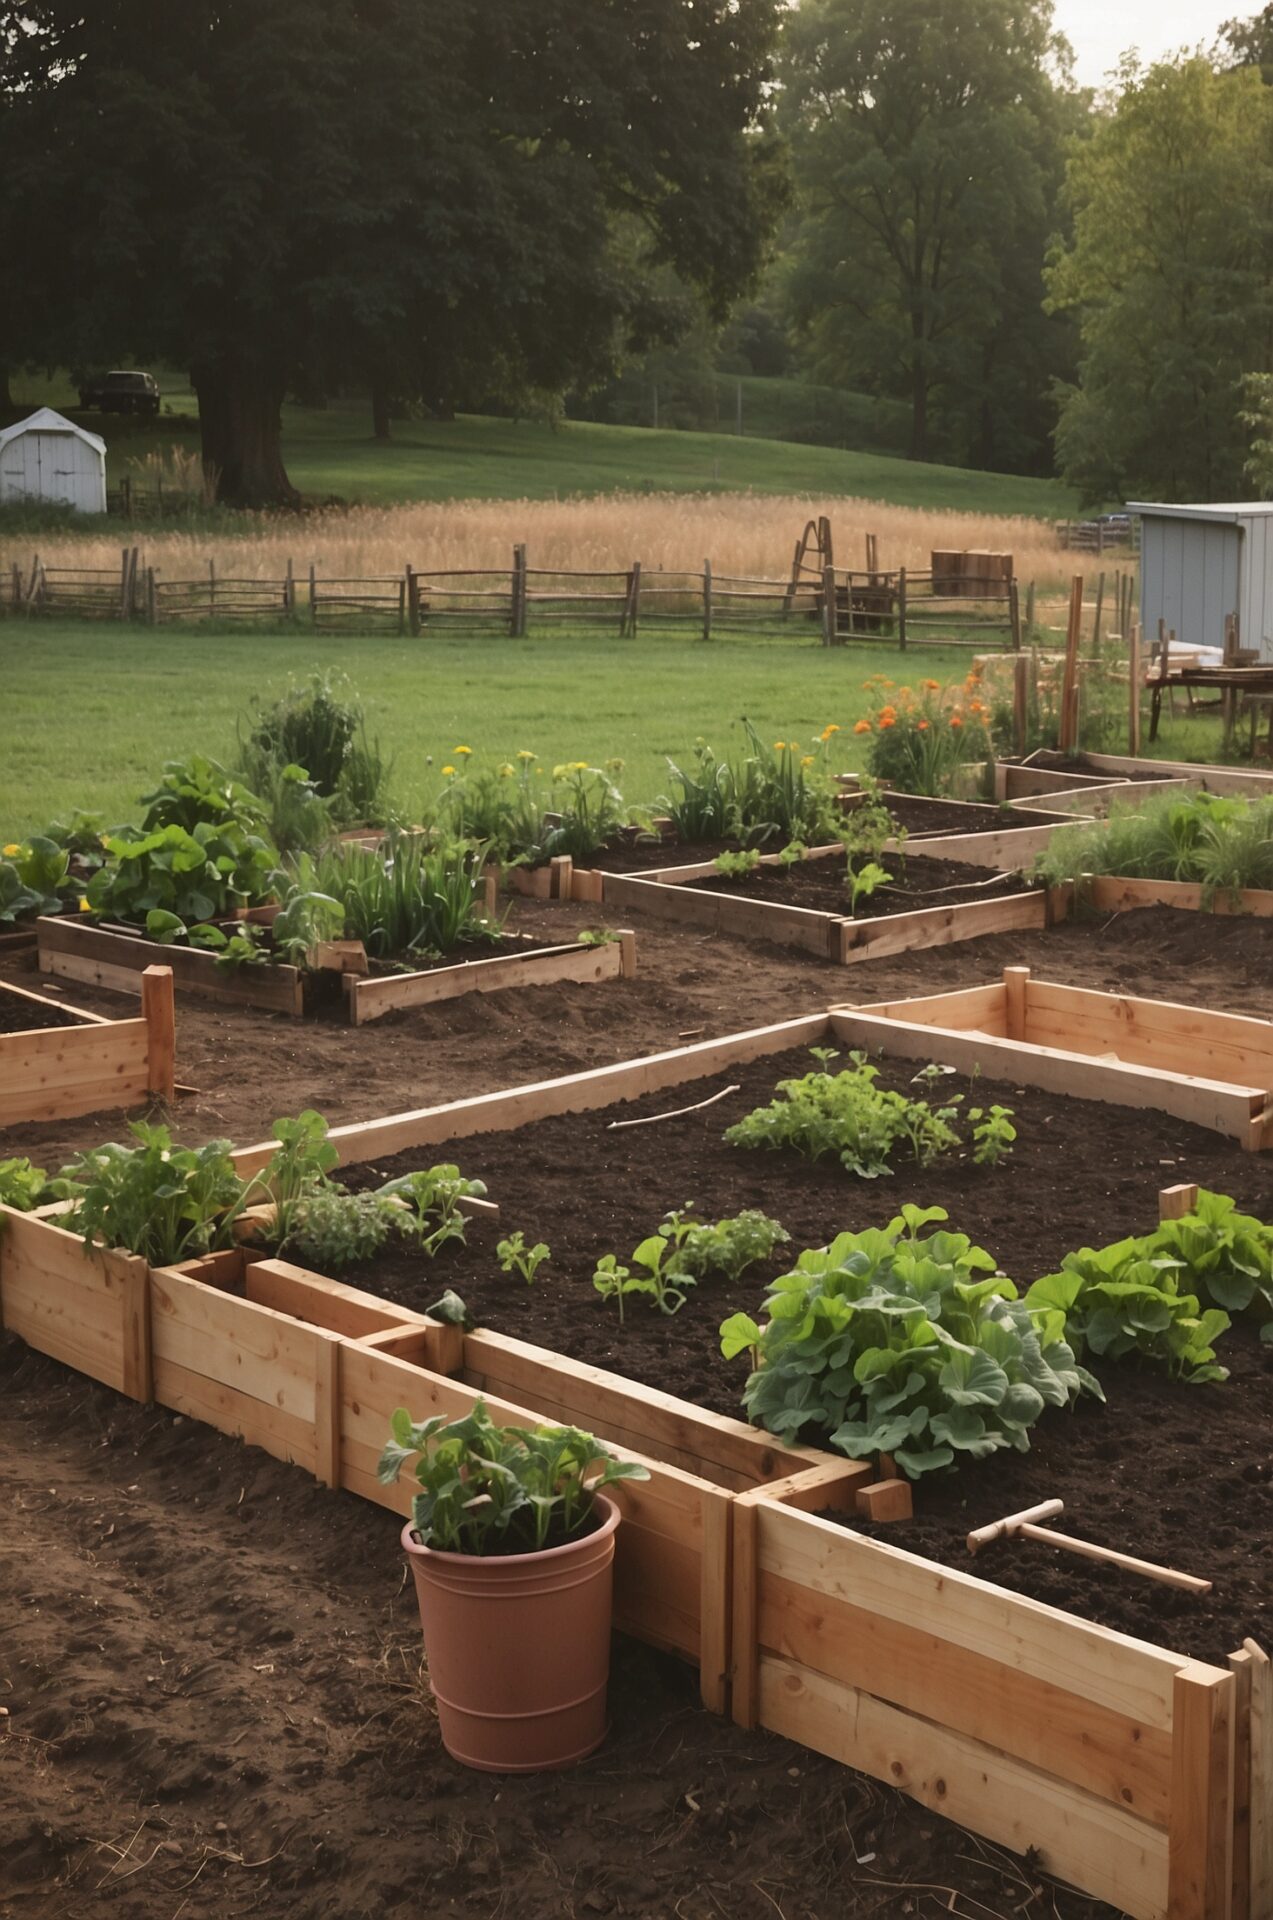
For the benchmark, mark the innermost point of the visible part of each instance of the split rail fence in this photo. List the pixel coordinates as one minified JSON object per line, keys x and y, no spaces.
{"x":835,"y":605}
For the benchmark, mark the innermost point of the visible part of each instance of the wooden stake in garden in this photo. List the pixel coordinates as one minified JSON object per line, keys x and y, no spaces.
{"x":1133,"y":689}
{"x":1070,"y":684}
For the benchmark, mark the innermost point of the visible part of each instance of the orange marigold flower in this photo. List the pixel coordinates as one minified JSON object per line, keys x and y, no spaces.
{"x":922,"y":725}
{"x":886,"y":720}
{"x":955,"y":720}
{"x":863,"y":726}
{"x":931,"y":686}
{"x":827,"y":732}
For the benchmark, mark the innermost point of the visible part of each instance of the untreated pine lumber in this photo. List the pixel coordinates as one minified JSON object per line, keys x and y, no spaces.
{"x":1069,"y":686}
{"x":157,"y":1008}
{"x":1026,"y":1525}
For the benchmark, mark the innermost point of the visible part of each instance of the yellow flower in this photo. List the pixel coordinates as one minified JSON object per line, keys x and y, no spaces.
{"x":779,"y":745}
{"x":506,"y":772}
{"x":83,"y":903}
{"x":12,"y":849}
{"x":448,"y":771}
{"x":524,"y":753}
{"x":808,"y":760}
{"x":827,"y":732}
{"x":464,"y":750}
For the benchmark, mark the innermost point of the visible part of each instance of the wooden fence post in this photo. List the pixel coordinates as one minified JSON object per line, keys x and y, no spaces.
{"x":413,"y":600}
{"x":520,"y":589}
{"x":152,"y":599}
{"x":123,"y":584}
{"x":1133,"y":689}
{"x":901,"y":608}
{"x":1029,"y":606}
{"x":628,"y":622}
{"x":402,"y":604}
{"x":1020,"y":703}
{"x":828,"y":607}
{"x":212,"y":588}
{"x":707,"y":599}
{"x":313,"y":595}
{"x":159,"y":1013}
{"x":1014,"y":614}
{"x":289,"y":591}
{"x":1068,"y":728}
{"x":1096,"y":617}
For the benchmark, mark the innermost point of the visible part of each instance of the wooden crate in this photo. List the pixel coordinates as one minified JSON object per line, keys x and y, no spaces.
{"x":1114,"y":1760}
{"x":1214,"y":1069}
{"x":57,"y":1073}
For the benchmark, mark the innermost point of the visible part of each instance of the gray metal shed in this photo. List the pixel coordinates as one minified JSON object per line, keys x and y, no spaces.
{"x":1199,"y":564}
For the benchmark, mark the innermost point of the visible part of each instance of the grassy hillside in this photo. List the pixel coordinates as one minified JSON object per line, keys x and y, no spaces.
{"x":330,"y":451}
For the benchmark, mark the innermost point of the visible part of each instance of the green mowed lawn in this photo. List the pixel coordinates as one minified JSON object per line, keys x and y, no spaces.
{"x":330,"y":451}
{"x":93,"y":711}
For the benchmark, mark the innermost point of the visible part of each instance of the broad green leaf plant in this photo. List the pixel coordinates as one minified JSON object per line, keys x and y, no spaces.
{"x":903,"y":1341}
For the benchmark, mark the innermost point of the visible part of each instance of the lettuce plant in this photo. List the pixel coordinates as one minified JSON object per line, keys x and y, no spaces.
{"x":1125,"y":1299}
{"x":896,"y":1341}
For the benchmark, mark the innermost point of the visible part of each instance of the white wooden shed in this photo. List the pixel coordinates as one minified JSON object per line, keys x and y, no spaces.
{"x":47,"y":457}
{"x":1200,"y":564}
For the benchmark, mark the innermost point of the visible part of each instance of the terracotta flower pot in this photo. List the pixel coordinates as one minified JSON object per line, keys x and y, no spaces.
{"x":519,"y":1648}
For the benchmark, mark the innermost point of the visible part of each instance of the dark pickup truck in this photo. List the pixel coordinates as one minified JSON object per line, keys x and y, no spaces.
{"x":121,"y":393}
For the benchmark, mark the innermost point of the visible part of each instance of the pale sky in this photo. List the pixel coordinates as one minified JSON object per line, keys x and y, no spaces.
{"x":1100,"y":30}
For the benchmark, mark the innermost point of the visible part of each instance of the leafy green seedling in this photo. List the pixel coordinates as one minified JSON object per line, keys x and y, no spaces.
{"x":515,"y":1256}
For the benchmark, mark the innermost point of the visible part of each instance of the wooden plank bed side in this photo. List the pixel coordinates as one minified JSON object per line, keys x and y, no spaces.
{"x":1115,"y":1672}
{"x":268,"y":1357}
{"x":909,"y":1664}
{"x":368,"y":999}
{"x":1008,"y":847}
{"x":57,"y":1073}
{"x":804,"y":927}
{"x":572,"y":1093}
{"x":46,"y":1000}
{"x":1260,"y":1770}
{"x":1234,"y":1047}
{"x":322,"y":1302}
{"x":609,"y":1404}
{"x":964,"y":1010}
{"x":1108,"y":893}
{"x":118,"y":960}
{"x":1239,"y":780}
{"x":872,"y":939}
{"x":1022,"y":782}
{"x":61,"y":1299}
{"x":1200,"y":1876}
{"x":1207,"y":1103}
{"x":1077,"y":1836}
{"x":676,"y":876}
{"x":1097,"y":798}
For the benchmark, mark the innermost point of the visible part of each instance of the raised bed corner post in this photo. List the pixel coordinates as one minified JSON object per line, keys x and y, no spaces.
{"x":158,"y":1011}
{"x":1200,"y":1840}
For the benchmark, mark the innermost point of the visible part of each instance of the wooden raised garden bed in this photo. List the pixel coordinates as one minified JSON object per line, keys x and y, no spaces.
{"x":1135,"y":1772}
{"x":1214,"y":1069}
{"x":110,"y":957}
{"x":671,"y":893}
{"x":59,"y":1061}
{"x":1111,"y":893}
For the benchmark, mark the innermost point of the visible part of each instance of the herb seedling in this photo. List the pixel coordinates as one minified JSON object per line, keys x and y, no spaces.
{"x":735,"y":866}
{"x":993,"y":1134}
{"x":515,"y":1256}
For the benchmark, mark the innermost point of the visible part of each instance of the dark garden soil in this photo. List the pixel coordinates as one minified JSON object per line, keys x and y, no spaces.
{"x":938,"y":816}
{"x":915,"y":882}
{"x":214,"y":1707}
{"x":19,"y":1015}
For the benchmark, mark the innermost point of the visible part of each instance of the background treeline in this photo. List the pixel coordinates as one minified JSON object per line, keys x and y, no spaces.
{"x":892,"y":225}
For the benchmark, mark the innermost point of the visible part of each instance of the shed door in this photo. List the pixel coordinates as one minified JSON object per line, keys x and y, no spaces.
{"x":1189,"y":573}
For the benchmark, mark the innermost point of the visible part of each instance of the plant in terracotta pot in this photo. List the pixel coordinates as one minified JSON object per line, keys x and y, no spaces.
{"x":511,"y":1544}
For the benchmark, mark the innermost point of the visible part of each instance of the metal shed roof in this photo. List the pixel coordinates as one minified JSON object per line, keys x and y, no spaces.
{"x":1230,"y":512}
{"x":45,"y":420}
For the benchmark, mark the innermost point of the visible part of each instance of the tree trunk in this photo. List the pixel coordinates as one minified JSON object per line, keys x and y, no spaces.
{"x":380,"y":409}
{"x":919,"y":389}
{"x":240,"y":425}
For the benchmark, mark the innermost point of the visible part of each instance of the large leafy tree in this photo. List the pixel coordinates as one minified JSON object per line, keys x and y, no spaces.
{"x":926,"y":156}
{"x":1170,"y":279}
{"x":418,"y":193}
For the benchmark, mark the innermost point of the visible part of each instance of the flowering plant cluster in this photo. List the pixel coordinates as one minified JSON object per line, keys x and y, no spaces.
{"x":921,"y":736}
{"x":523,"y":817}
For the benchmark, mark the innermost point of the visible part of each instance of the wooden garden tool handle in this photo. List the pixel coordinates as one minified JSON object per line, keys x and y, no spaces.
{"x":1000,"y":1529}
{"x":1089,"y":1551}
